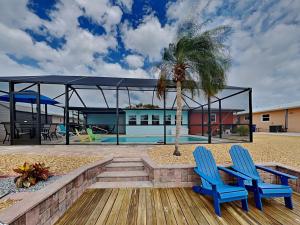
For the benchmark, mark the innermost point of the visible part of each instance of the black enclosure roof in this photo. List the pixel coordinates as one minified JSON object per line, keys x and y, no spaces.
{"x":91,"y":110}
{"x":90,"y":81}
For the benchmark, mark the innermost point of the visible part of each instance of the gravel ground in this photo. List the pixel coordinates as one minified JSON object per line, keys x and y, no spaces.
{"x":59,"y":164}
{"x":265,"y":148}
{"x":7,"y":184}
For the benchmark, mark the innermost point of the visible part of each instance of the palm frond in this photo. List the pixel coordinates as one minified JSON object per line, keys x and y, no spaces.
{"x":204,"y":54}
{"x":161,"y":87}
{"x":191,"y":85}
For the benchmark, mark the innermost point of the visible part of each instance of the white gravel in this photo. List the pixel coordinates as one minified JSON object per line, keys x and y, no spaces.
{"x":8,"y":185}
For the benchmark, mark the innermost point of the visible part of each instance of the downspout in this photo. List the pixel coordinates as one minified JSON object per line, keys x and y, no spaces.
{"x":286,"y":123}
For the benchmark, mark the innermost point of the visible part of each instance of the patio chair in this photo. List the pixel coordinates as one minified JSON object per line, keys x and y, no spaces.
{"x":62,"y":130}
{"x":21,"y":130}
{"x":212,"y":183}
{"x":53,"y":130}
{"x":49,"y":131}
{"x":243,"y":163}
{"x":83,"y":138}
{"x":91,"y":135}
{"x":7,"y":132}
{"x":45,"y":132}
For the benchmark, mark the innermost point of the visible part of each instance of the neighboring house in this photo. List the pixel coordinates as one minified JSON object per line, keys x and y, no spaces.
{"x":195,"y":120}
{"x":285,"y":117}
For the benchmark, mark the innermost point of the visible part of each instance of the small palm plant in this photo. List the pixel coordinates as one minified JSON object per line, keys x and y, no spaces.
{"x":198,"y":60}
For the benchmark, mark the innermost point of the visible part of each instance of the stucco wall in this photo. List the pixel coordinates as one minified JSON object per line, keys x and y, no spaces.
{"x":278,"y":118}
{"x":294,"y":120}
{"x":196,"y":121}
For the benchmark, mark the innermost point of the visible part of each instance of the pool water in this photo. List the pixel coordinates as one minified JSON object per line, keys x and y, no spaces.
{"x":152,"y":139}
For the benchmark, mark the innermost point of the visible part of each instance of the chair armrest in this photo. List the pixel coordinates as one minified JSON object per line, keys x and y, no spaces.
{"x":253,"y":177}
{"x":205,"y":177}
{"x":275,"y":172}
{"x":234,"y":173}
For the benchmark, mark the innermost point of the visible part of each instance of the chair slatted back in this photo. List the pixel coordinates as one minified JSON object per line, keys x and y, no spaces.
{"x":242,"y":160}
{"x":7,"y":128}
{"x":62,"y":128}
{"x":207,"y":165}
{"x":52,"y":128}
{"x":90,"y":134}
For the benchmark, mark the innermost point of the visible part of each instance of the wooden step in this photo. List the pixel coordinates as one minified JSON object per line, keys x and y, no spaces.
{"x":123,"y":159}
{"x":122,"y":184}
{"x":125,"y":166}
{"x":111,"y":176}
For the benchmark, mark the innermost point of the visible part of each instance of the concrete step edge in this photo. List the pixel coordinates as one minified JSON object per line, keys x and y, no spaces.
{"x":121,"y":184}
{"x":125,"y":164}
{"x":137,"y":173}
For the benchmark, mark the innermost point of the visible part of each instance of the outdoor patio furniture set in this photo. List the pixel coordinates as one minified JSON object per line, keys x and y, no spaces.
{"x":49,"y":131}
{"x":247,"y":176}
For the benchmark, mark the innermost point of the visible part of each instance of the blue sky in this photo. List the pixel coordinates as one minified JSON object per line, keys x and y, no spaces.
{"x":125,"y":38}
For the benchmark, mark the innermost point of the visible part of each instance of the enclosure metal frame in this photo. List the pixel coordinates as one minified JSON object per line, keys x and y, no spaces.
{"x":73,"y":83}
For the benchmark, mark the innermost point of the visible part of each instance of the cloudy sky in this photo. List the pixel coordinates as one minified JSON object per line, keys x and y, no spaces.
{"x":125,"y":37}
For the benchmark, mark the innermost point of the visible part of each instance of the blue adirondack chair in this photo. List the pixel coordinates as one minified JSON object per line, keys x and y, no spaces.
{"x":212,"y":183}
{"x":243,"y":163}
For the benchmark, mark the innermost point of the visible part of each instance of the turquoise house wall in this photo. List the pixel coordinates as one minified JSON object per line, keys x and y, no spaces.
{"x":138,"y":130}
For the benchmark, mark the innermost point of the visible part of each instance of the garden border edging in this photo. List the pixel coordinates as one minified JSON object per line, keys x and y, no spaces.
{"x":48,"y":204}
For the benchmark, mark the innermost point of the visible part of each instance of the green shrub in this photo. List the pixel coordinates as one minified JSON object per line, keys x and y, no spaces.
{"x":242,"y":130}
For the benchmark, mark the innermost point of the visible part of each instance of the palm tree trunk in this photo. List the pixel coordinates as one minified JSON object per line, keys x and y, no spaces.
{"x":178,"y":117}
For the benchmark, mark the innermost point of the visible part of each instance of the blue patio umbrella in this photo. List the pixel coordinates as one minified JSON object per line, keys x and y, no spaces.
{"x":29,"y":96}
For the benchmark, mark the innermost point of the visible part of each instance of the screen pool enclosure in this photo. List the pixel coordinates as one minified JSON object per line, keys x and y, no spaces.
{"x":112,"y":110}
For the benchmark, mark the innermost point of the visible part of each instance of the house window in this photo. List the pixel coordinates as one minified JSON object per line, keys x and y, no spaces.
{"x":144,"y":119}
{"x":132,"y":120}
{"x":155,"y":119}
{"x":168,"y":119}
{"x":247,"y":117}
{"x":265,"y":117}
{"x":213,"y":118}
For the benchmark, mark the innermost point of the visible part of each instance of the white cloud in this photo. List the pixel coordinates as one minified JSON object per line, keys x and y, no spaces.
{"x":126,"y":5}
{"x":269,"y":62}
{"x":15,"y":13}
{"x":19,"y":43}
{"x":11,"y":68}
{"x":102,"y":12}
{"x":186,"y":10}
{"x":149,"y":38}
{"x":116,"y":70}
{"x":134,"y":61}
{"x":265,"y":44}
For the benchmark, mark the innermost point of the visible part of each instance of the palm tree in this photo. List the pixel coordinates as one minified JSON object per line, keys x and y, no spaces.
{"x":198,"y":60}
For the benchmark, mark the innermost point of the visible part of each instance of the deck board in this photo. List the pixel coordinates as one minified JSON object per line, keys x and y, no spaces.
{"x":170,"y":206}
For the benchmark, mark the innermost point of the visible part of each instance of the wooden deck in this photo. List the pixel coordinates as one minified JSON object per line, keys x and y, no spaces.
{"x":170,"y":206}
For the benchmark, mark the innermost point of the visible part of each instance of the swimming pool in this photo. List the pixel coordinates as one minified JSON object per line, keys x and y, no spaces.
{"x":152,"y":139}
